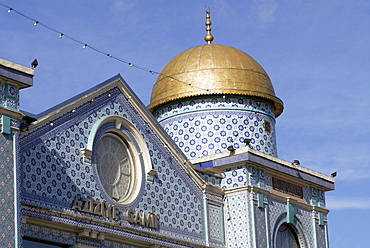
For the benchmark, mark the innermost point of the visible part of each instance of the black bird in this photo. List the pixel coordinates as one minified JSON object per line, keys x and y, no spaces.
{"x":34,"y":64}
{"x":334,"y":174}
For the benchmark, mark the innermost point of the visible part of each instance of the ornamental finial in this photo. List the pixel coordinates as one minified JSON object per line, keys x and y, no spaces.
{"x":208,"y":38}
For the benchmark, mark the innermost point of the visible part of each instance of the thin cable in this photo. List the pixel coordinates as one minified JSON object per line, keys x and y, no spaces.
{"x":86,"y":45}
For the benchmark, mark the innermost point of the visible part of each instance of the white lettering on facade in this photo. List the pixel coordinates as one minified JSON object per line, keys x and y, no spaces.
{"x":143,"y":219}
{"x":102,"y":208}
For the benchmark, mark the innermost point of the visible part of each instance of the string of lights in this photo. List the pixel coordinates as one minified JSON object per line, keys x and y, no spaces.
{"x":86,"y":45}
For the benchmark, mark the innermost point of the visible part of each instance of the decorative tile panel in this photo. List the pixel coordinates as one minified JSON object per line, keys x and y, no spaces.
{"x":307,"y":194}
{"x":317,"y":197}
{"x":260,"y":226}
{"x":235,"y":177}
{"x":215,"y":223}
{"x":212,"y":102}
{"x":237,"y":220}
{"x":321,"y":236}
{"x":210,"y":179}
{"x":206,"y":126}
{"x":49,"y":234}
{"x":9,"y":96}
{"x":7,"y":199}
{"x":275,"y":210}
{"x":305,"y":219}
{"x":259,"y":178}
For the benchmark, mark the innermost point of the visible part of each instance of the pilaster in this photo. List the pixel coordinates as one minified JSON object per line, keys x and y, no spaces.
{"x":12,"y":78}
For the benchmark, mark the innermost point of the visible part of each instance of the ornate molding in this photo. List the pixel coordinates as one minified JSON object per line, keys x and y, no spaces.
{"x":11,"y":113}
{"x":276,"y":197}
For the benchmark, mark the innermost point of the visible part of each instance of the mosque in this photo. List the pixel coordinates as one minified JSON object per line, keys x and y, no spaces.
{"x":198,"y":167}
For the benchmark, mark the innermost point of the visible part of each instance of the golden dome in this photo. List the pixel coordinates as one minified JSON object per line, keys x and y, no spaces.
{"x":212,"y":69}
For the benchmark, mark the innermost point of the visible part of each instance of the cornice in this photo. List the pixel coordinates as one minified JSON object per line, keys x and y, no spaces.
{"x":11,"y":113}
{"x":276,"y":196}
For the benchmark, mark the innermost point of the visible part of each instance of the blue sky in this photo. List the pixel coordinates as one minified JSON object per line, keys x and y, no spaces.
{"x":317,"y":54}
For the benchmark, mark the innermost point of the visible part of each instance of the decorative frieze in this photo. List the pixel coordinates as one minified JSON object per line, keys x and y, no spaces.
{"x":287,"y":187}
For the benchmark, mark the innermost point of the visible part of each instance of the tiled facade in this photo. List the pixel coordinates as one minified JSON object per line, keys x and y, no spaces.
{"x":9,"y":169}
{"x":208,"y":125}
{"x":54,"y":172}
{"x":200,"y":193}
{"x":7,"y":184}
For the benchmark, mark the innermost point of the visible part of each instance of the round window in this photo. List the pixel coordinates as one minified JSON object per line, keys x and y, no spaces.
{"x":114,"y":166}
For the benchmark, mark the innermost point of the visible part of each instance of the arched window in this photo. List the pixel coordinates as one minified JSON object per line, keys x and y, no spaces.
{"x":121,"y":156}
{"x":286,"y":237}
{"x":115,"y":166}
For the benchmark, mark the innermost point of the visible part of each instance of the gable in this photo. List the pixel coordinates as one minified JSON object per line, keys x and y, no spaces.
{"x":58,"y":163}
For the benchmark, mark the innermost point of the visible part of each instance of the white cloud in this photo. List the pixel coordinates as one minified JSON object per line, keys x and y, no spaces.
{"x":266,"y":10}
{"x":335,"y":202}
{"x":124,"y":6}
{"x":223,"y":8}
{"x":328,"y":160}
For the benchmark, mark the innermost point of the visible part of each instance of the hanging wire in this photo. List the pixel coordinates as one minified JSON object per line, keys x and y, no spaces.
{"x":86,"y":45}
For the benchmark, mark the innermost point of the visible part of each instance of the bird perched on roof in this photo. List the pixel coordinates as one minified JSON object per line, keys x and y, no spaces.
{"x":34,"y":64}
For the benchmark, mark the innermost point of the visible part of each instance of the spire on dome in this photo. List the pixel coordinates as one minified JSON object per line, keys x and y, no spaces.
{"x":208,"y":38}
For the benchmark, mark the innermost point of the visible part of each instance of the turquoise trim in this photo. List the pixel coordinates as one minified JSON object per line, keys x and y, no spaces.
{"x":326,"y":237}
{"x":5,"y":120}
{"x":260,"y":200}
{"x":289,"y":213}
{"x":321,"y":219}
{"x":87,"y":160}
{"x":2,"y":105}
{"x":222,"y":224}
{"x":217,"y":96}
{"x":314,"y":233}
{"x":150,"y":179}
{"x":7,"y":93}
{"x":15,"y":194}
{"x":253,"y":230}
{"x":218,"y":108}
{"x":205,"y":211}
{"x":268,"y":231}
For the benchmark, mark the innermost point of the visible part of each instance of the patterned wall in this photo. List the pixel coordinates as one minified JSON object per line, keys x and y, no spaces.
{"x":53,"y":172}
{"x":215,"y":220}
{"x":9,"y":96}
{"x":264,"y":219}
{"x":9,"y":204}
{"x":208,"y":125}
{"x":317,"y":197}
{"x":259,"y":178}
{"x":245,"y":175}
{"x":237,"y":220}
{"x":7,"y":200}
{"x":68,"y":238}
{"x":304,"y":217}
{"x":321,"y":236}
{"x":214,"y":180}
{"x":260,"y":226}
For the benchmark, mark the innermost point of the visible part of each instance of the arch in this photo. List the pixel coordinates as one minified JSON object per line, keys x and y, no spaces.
{"x":286,"y":237}
{"x":119,"y":121}
{"x":139,"y":152}
{"x":290,"y":233}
